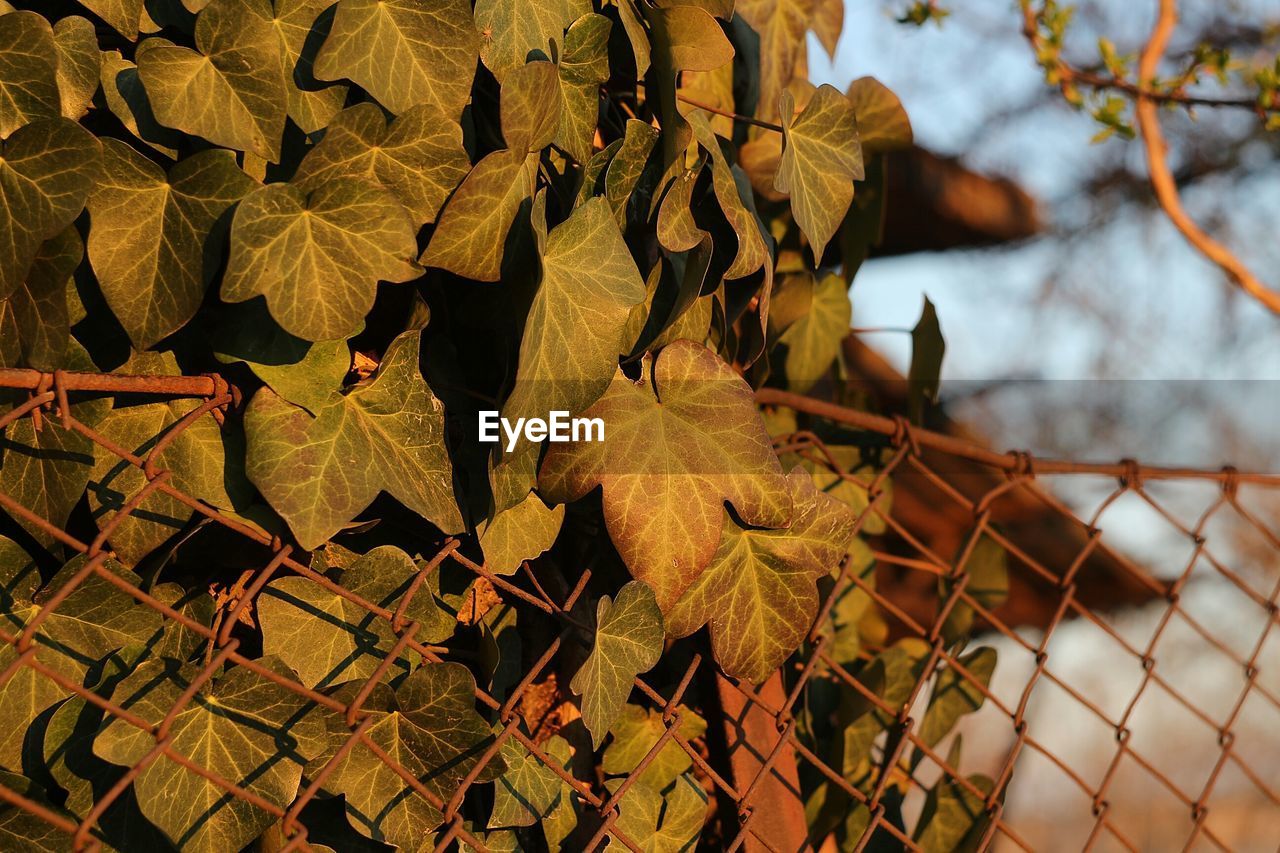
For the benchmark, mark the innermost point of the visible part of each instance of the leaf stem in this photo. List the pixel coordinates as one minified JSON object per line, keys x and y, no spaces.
{"x":755,"y":122}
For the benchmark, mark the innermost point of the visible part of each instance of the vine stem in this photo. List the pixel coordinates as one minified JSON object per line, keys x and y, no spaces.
{"x":755,"y":122}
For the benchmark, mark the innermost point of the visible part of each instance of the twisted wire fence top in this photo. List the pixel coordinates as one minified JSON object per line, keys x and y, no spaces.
{"x":1152,"y":727}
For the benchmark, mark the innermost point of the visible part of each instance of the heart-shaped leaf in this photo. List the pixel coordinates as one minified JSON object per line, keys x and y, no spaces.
{"x":387,"y":434}
{"x":520,"y":533}
{"x":531,"y":106}
{"x":513,"y":29}
{"x":122,"y":15}
{"x":662,"y":822}
{"x":821,"y":158}
{"x":404,"y":52}
{"x":147,"y":240}
{"x":419,"y":158}
{"x":781,"y":25}
{"x":584,"y":66}
{"x":28,"y":71}
{"x":78,"y":64}
{"x":813,"y":341}
{"x":35,"y":326}
{"x":47,"y":170}
{"x":635,"y":735}
{"x":231,"y":89}
{"x":628,"y":642}
{"x":759,"y":594}
{"x":310,"y":105}
{"x":317,"y":258}
{"x":882,"y":122}
{"x":679,"y":442}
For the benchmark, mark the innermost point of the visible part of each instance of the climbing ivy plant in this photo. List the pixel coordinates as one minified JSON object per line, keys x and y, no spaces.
{"x":375,"y":220}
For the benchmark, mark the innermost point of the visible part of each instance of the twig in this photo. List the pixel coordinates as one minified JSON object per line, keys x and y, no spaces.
{"x":1146,"y":111}
{"x":767,"y":125}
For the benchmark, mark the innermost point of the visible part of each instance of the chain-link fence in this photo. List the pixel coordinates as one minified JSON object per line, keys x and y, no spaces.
{"x":1132,"y":705}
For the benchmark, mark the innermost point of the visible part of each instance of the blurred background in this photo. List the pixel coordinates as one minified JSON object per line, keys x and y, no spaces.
{"x":1087,"y":328}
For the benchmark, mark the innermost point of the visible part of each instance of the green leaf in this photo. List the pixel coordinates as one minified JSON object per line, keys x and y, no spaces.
{"x":882,"y":122}
{"x":28,"y":71}
{"x":574,"y":333}
{"x":429,"y":726}
{"x":925,"y":374}
{"x":512,"y":29}
{"x":148,"y":235}
{"x":231,"y":90}
{"x":813,"y":341}
{"x":317,"y":257}
{"x":753,"y":253}
{"x":759,"y":594}
{"x":821,"y":158}
{"x":78,"y":64}
{"x":310,"y":105}
{"x":531,"y":106}
{"x":955,"y":694}
{"x":327,"y":639}
{"x":403,"y":52}
{"x":628,"y":642}
{"x":245,"y":728}
{"x":386,"y":434}
{"x":662,"y":823}
{"x":668,"y":467}
{"x":419,"y":158}
{"x":781,"y":25}
{"x":626,"y":166}
{"x":828,"y":23}
{"x":34,"y":321}
{"x":47,"y":170}
{"x":584,"y":66}
{"x":988,"y":584}
{"x":470,"y":238}
{"x":637,"y":732}
{"x":953,"y":817}
{"x":95,"y":619}
{"x":560,"y":823}
{"x":685,"y":38}
{"x":301,"y":372}
{"x":46,"y":470}
{"x":520,"y":533}
{"x":851,"y":492}
{"x":127,"y":100}
{"x":122,"y":15}
{"x":529,"y":790}
{"x":202,"y":461}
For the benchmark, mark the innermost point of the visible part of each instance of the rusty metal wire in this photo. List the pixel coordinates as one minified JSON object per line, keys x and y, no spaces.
{"x":751,"y":766}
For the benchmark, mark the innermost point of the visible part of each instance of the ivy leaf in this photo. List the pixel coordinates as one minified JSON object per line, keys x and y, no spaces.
{"x":753,"y":253}
{"x":46,"y":470}
{"x":530,"y":106}
{"x":121,"y":15}
{"x":626,"y":166}
{"x":386,"y":434}
{"x":636,"y":732}
{"x":512,"y":29}
{"x":230,"y":90}
{"x":148,"y":234}
{"x":520,"y":533}
{"x":628,"y":642}
{"x":419,"y":158}
{"x":821,"y":158}
{"x":96,"y":618}
{"x":828,"y":23}
{"x":202,"y":461}
{"x":924,"y":377}
{"x":529,"y":790}
{"x":759,"y":593}
{"x":429,"y":725}
{"x":28,"y":71}
{"x":575,"y":330}
{"x":583,"y":68}
{"x":956,"y":695}
{"x":327,"y":639}
{"x":661,"y":822}
{"x":560,"y":823}
{"x":813,"y":341}
{"x":988,"y":585}
{"x":403,"y":52}
{"x":242,"y":726}
{"x":303,"y":373}
{"x":668,"y":467}
{"x":310,"y":105}
{"x":76,"y":42}
{"x":470,"y":238}
{"x":953,"y":815}
{"x":127,"y":100}
{"x":852,"y":493}
{"x":47,"y":170}
{"x":882,"y":122}
{"x":685,"y":38}
{"x":781,"y":25}
{"x":317,"y":257}
{"x":35,"y":324}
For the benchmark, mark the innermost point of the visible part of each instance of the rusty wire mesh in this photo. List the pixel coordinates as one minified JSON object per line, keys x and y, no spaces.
{"x":757,"y":789}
